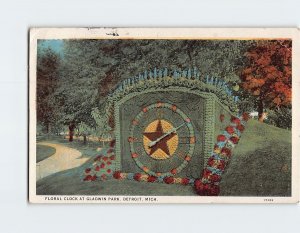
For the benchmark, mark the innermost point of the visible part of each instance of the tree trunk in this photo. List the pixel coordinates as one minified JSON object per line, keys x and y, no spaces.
{"x":84,"y":139}
{"x":71,"y":132}
{"x":260,"y":111}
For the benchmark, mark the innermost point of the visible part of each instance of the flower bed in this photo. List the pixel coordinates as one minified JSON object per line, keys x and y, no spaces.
{"x":206,"y":185}
{"x":143,"y":177}
{"x":102,"y":168}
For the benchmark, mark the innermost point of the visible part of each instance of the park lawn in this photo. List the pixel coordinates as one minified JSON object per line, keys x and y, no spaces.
{"x":44,"y":152}
{"x":260,"y":166}
{"x":261,"y":163}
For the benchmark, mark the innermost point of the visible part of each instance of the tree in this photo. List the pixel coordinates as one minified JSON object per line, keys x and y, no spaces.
{"x":281,"y":117}
{"x":48,"y":63}
{"x":76,"y":93}
{"x":84,"y":130}
{"x":268,"y":74}
{"x":102,"y":127}
{"x":92,"y":68}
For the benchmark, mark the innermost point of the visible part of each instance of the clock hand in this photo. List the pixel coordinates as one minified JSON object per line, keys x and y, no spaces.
{"x":174,"y":129}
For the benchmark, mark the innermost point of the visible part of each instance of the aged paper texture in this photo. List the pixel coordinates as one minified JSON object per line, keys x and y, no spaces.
{"x":163,"y":115}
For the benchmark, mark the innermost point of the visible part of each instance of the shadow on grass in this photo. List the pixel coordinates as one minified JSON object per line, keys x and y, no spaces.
{"x":44,"y":152}
{"x":70,"y":182}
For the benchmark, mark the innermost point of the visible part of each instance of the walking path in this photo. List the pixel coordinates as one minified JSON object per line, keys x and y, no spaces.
{"x":63,"y":159}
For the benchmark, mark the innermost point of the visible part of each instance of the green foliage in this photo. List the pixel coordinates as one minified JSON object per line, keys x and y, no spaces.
{"x":48,"y":63}
{"x":90,"y":69}
{"x":280,"y":117}
{"x":84,"y":129}
{"x":102,"y":128}
{"x":247,"y":103}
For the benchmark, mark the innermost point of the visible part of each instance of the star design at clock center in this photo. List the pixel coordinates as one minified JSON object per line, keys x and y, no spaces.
{"x":161,"y":138}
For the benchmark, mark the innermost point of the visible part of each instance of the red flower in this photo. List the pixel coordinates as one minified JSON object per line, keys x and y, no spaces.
{"x":215,"y":178}
{"x":102,"y":165}
{"x":199,"y":186}
{"x":137,"y":176}
{"x":169,"y":179}
{"x":151,"y":179}
{"x":230,"y":129}
{"x":206,"y":189}
{"x":235,"y":140}
{"x":105,"y":158}
{"x":112,"y":157}
{"x":108,"y":163}
{"x":245,"y":116}
{"x":97,"y":158}
{"x":94,"y":177}
{"x":134,"y":155}
{"x":185,"y":181}
{"x":235,"y":120}
{"x":112,"y":143}
{"x":174,"y":171}
{"x":117,"y":175}
{"x":108,"y":171}
{"x":110,"y":150}
{"x":87,"y":178}
{"x":97,"y":168}
{"x":221,"y":138}
{"x":221,"y":165}
{"x":240,"y":128}
{"x":206,"y":173}
{"x":103,"y":177}
{"x":226,"y":151}
{"x":211,"y":161}
{"x":87,"y":170}
{"x":222,"y":117}
{"x":198,"y":183}
{"x":214,"y":190}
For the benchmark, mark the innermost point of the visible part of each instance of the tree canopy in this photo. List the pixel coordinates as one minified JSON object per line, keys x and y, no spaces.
{"x":48,"y":64}
{"x":75,"y":83}
{"x":268,"y":73}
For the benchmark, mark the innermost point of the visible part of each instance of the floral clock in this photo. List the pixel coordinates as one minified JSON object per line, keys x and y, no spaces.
{"x":162,"y":139}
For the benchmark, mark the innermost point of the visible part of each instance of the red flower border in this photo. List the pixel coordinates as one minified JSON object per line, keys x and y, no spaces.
{"x":207,"y":184}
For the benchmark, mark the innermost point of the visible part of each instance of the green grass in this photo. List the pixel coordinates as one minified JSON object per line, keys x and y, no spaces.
{"x":70,"y":183}
{"x":260,"y":166}
{"x":261,"y":163}
{"x":43,"y":152}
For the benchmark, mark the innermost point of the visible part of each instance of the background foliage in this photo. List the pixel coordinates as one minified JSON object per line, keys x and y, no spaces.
{"x":73,"y":83}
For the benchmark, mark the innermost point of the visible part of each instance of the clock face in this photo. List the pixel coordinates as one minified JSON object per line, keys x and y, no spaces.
{"x":161,"y":139}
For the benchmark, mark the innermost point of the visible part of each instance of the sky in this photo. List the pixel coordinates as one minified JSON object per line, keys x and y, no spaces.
{"x":55,"y":45}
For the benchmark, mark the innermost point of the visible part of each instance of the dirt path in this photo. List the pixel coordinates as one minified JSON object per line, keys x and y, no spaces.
{"x":63,"y":159}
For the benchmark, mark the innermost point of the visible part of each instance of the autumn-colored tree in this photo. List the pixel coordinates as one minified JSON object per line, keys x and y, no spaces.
{"x":268,"y":74}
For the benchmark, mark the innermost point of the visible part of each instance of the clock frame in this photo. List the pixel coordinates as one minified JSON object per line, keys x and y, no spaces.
{"x":158,"y":132}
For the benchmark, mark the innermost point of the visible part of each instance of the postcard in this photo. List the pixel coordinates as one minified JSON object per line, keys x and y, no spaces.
{"x":164,"y":115}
